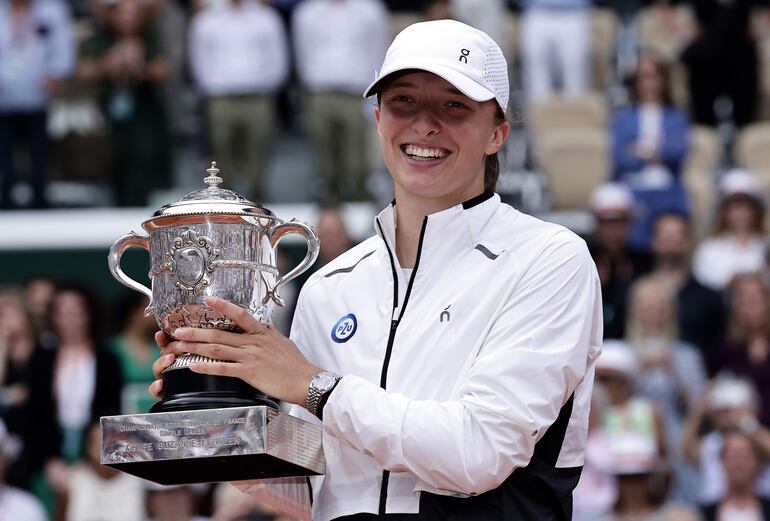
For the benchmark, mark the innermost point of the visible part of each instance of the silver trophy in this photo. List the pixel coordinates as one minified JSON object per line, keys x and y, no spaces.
{"x":212,"y":242}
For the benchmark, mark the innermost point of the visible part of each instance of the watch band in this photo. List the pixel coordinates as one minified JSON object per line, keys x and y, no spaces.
{"x":315,"y":392}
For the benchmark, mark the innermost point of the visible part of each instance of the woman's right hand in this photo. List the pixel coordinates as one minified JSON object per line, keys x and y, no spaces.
{"x":165,"y":359}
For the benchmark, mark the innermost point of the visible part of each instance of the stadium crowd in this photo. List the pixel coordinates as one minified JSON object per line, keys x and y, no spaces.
{"x":651,"y":117}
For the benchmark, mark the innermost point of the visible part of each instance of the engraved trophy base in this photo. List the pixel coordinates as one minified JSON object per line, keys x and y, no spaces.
{"x":227,"y":444}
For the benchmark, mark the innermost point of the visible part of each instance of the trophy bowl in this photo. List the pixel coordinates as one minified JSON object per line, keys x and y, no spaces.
{"x":212,"y":242}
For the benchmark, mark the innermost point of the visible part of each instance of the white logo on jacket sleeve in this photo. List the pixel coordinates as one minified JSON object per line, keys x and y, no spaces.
{"x":345,"y":328}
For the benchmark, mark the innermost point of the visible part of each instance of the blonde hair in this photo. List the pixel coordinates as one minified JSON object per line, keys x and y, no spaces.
{"x":656,"y":286}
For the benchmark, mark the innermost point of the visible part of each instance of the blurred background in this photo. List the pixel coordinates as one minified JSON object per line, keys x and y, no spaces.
{"x":643,"y":126}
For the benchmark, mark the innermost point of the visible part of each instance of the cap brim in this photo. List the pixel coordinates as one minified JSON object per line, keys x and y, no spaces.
{"x":464,"y":84}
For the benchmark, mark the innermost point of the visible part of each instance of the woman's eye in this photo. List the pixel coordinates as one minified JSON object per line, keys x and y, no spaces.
{"x":400,"y":98}
{"x":456,"y":105}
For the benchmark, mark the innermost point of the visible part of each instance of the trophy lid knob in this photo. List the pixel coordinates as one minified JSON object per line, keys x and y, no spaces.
{"x":213,"y":179}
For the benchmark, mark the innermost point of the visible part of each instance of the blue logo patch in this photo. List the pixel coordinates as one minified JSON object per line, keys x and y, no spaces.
{"x":345,"y":328}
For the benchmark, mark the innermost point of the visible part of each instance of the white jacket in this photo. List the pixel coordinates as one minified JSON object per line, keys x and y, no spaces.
{"x":450,"y":394}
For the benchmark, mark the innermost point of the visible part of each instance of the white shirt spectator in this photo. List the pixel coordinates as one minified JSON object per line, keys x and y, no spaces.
{"x":238,"y":48}
{"x":37,"y":47}
{"x":92,"y":498}
{"x":21,"y":505}
{"x":339,"y":43}
{"x":719,"y":259}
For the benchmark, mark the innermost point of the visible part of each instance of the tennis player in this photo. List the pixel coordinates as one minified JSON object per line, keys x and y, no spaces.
{"x":450,"y":356}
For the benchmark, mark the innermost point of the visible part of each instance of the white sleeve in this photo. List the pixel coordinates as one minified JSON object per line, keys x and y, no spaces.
{"x":61,"y":53}
{"x":532,"y":359}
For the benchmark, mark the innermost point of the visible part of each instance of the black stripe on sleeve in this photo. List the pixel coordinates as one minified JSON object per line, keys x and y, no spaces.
{"x":488,"y":254}
{"x":349,"y":268}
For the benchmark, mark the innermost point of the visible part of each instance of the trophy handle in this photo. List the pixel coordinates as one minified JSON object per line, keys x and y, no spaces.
{"x":275,"y":234}
{"x":113,"y":260}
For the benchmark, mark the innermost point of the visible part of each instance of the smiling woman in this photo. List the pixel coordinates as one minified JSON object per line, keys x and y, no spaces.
{"x":450,"y":357}
{"x":435,"y":139}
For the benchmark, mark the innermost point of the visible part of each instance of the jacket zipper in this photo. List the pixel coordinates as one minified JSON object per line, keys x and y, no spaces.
{"x":392,"y":335}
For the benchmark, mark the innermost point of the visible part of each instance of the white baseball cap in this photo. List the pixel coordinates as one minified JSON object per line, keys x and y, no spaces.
{"x":612,"y":200}
{"x":618,"y":357}
{"x":740,"y":182}
{"x":633,"y":453}
{"x":729,"y":392}
{"x":462,"y":55}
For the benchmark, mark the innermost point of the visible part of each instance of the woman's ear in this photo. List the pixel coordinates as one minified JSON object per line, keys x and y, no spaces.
{"x":377,"y":118}
{"x":498,"y":138}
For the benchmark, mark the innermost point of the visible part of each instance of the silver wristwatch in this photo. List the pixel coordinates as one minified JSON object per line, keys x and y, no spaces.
{"x":320,"y":384}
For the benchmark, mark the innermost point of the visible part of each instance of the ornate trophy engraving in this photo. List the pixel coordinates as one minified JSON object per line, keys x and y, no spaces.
{"x":212,"y":242}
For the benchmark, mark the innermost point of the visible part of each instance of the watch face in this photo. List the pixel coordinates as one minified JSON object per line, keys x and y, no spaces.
{"x":323,"y":381}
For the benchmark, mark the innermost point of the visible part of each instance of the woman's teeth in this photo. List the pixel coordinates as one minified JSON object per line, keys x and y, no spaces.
{"x":424,"y":153}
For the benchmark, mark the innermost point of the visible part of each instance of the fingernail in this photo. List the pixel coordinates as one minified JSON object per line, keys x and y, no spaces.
{"x":179,"y":332}
{"x":169,"y":357}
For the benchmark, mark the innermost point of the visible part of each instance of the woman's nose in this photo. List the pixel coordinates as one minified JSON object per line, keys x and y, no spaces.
{"x":426,"y":123}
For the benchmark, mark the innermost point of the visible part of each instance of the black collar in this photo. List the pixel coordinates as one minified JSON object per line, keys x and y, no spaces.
{"x":470,"y":203}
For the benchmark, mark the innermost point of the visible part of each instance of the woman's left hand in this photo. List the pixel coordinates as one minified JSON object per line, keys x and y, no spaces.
{"x":260,"y":356}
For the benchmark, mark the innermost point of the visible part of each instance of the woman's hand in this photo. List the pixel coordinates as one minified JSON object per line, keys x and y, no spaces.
{"x":165,"y":359}
{"x":260,"y":356}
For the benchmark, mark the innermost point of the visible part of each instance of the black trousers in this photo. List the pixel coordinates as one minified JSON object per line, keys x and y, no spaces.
{"x":27,"y":129}
{"x":735,"y":76}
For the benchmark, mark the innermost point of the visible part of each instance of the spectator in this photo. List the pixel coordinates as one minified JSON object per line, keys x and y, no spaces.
{"x":38,"y":293}
{"x":650,"y":141}
{"x":555,"y":43}
{"x":37,"y":52}
{"x":70,"y":385}
{"x":15,"y":504}
{"x":640,"y":479}
{"x":626,"y":412}
{"x":700,"y":309}
{"x":18,"y":344}
{"x":671,"y":373}
{"x":136,"y":350}
{"x":125,"y":60}
{"x":746,"y":350}
{"x":617,"y":263}
{"x":741,"y":462}
{"x":99,"y":493}
{"x":722,"y":60}
{"x":729,"y":405}
{"x":338,"y":45}
{"x":238,"y":70}
{"x":738,"y":245}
